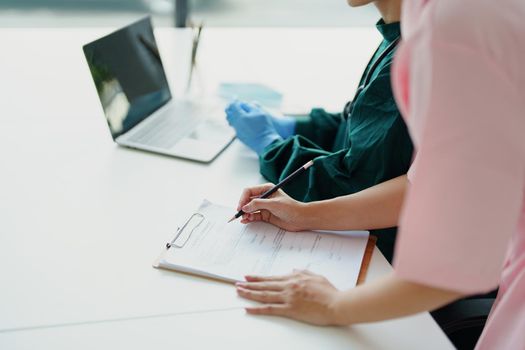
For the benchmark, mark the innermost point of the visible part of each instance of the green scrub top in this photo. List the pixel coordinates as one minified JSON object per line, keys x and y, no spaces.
{"x":371,"y":147}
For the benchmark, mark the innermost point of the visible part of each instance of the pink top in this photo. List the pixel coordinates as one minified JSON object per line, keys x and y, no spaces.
{"x":459,"y":79}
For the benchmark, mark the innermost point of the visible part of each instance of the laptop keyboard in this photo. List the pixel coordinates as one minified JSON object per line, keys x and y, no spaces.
{"x":166,"y":130}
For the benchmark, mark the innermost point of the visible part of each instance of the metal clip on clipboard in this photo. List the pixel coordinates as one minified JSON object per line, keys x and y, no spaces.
{"x":191,"y":224}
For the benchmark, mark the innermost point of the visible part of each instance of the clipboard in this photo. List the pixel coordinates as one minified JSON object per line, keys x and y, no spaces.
{"x":367,"y":257}
{"x":197,"y":222}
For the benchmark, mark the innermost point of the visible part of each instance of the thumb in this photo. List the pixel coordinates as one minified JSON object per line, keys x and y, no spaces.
{"x":246,"y":107}
{"x":259,"y":204}
{"x":259,"y":108}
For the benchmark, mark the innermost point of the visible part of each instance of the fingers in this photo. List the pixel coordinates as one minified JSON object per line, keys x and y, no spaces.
{"x":261,"y":286}
{"x":234,"y":111}
{"x":258,"y":204}
{"x":252,"y":217}
{"x":250,"y":204}
{"x":231,"y":116}
{"x":272,"y":309}
{"x":233,"y":106}
{"x":282,"y":278}
{"x":239,"y":107}
{"x":254,"y":278}
{"x":247,"y":107}
{"x":265,"y":216}
{"x":252,"y":192}
{"x":267,"y":297}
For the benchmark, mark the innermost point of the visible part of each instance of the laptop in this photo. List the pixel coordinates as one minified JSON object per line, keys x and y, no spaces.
{"x":140,"y":111}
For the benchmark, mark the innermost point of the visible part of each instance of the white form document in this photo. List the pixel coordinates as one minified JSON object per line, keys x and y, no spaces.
{"x":211,"y":247}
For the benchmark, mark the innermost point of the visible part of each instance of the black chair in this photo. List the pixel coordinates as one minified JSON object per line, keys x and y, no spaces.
{"x":463,"y":320}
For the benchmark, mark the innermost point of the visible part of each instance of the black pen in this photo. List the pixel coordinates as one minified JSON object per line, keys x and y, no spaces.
{"x":195,"y":46}
{"x":276,"y":187}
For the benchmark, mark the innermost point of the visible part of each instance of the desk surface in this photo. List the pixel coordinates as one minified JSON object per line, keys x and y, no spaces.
{"x":81,"y":220}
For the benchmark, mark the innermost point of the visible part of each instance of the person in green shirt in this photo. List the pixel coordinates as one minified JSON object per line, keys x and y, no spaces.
{"x":366,"y":144}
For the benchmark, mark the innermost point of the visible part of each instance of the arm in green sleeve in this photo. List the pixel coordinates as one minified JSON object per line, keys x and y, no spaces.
{"x":283,"y":157}
{"x":371,"y":159}
{"x":320,"y":127}
{"x":374,"y":148}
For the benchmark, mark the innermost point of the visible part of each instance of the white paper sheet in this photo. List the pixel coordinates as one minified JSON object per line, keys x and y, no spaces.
{"x":229,"y":251}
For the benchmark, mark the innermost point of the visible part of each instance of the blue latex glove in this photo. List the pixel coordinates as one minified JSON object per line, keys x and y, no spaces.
{"x":252,"y":124}
{"x":284,"y":125}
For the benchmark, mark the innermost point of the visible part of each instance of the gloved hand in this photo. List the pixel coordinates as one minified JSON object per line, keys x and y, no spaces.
{"x":285,"y":126}
{"x":252,"y":124}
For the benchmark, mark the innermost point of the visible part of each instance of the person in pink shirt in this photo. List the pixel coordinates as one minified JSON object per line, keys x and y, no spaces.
{"x":460,"y":85}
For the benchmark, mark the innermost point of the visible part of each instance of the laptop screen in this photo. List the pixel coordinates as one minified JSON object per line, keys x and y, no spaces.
{"x":128,"y":75}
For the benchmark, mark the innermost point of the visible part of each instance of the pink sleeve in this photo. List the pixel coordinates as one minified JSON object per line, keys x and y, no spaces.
{"x":467,"y":184}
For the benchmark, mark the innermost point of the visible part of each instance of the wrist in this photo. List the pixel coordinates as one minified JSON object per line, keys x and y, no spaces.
{"x":266,"y":141}
{"x":310,"y":212}
{"x":284,"y":125}
{"x":305,"y":215}
{"x":337,"y":308}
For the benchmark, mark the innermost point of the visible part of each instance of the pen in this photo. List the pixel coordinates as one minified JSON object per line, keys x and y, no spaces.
{"x":195,"y":46}
{"x":278,"y":186}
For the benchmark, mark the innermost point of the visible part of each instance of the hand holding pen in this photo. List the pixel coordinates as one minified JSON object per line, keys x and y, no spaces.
{"x":280,"y":210}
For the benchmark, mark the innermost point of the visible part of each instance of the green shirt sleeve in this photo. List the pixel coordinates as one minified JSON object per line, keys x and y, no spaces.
{"x":374,"y":157}
{"x":320,"y":127}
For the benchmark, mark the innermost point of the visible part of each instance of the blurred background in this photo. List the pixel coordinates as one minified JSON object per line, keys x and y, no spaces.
{"x":219,"y":13}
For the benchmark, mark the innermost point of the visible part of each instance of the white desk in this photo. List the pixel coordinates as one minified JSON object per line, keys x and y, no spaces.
{"x":81,"y":220}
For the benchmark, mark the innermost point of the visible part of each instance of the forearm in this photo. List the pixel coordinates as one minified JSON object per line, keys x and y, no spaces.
{"x":388,"y":298}
{"x":374,"y":208}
